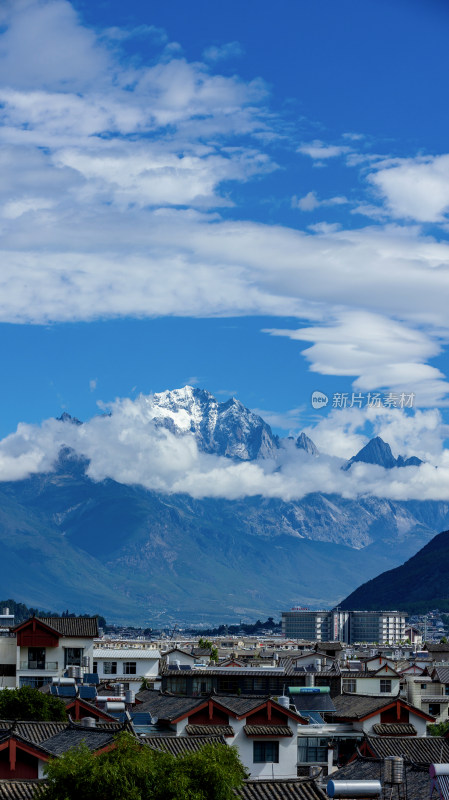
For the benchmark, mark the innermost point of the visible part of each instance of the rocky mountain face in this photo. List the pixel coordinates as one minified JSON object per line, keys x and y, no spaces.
{"x":418,"y":586}
{"x":379,"y":452}
{"x":140,"y":556}
{"x":225,"y":429}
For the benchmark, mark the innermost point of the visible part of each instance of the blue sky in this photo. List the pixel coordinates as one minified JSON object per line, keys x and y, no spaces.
{"x":249,"y":197}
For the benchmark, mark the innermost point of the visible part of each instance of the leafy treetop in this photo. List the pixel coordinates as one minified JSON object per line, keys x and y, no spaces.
{"x":30,"y":704}
{"x":133,"y":771}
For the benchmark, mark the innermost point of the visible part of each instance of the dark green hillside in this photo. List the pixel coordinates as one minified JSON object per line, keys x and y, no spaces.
{"x":418,"y":586}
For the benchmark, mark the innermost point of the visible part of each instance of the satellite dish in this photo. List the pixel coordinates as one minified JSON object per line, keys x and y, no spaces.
{"x":154,"y":720}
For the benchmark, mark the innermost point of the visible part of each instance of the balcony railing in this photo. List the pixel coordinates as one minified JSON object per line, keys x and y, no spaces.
{"x":48,"y":666}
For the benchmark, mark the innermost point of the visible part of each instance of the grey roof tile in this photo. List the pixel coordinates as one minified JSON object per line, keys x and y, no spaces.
{"x":179,"y":745}
{"x":21,"y":789}
{"x":276,"y":789}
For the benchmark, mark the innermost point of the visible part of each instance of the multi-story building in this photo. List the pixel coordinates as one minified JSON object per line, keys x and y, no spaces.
{"x":375,"y":627}
{"x":41,"y":648}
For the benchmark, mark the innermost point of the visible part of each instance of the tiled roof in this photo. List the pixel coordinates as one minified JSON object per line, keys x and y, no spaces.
{"x":130,"y":653}
{"x":93,"y":738}
{"x":21,"y":789}
{"x":73,"y":626}
{"x":209,"y":730}
{"x":179,"y":745}
{"x":241,"y":704}
{"x":442,"y":674}
{"x":275,"y":789}
{"x":168,"y":707}
{"x":395,"y":729}
{"x":357,"y":706}
{"x":417,"y":781}
{"x":36,"y":732}
{"x":435,"y":698}
{"x":268,"y":730}
{"x":419,"y":749}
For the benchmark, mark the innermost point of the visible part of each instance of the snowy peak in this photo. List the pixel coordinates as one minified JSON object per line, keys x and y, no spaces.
{"x":226,"y":429}
{"x":304,"y":443}
{"x":379,"y":452}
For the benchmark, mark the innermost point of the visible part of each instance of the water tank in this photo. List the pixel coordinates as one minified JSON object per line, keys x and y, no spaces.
{"x":120,"y":688}
{"x":112,"y":706}
{"x":310,"y":680}
{"x":86,"y":662}
{"x":65,"y":681}
{"x":438,"y":769}
{"x":284,"y":701}
{"x":101,"y":698}
{"x":71,"y":671}
{"x":177,"y":663}
{"x":88,"y":722}
{"x":130,"y":696}
{"x":317,"y":664}
{"x":354,"y":789}
{"x":5,"y":612}
{"x":393,"y":770}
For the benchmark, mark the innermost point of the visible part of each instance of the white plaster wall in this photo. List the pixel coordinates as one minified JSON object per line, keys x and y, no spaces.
{"x":372,"y":685}
{"x":146,"y":668}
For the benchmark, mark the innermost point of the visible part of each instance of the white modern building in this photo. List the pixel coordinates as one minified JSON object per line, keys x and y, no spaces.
{"x":130,"y":665}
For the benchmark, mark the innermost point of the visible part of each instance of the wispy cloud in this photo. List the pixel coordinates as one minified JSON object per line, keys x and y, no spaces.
{"x":223,"y":52}
{"x":311,"y":201}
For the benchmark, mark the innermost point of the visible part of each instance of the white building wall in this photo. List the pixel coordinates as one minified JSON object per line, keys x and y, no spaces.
{"x":54,"y":656}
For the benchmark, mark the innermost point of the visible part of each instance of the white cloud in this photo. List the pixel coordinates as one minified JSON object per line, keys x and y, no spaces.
{"x":310,"y":201}
{"x":223,"y":52}
{"x":381,"y":352}
{"x":97,"y":148}
{"x":93,"y":384}
{"x":415,"y":188}
{"x":127,"y":447}
{"x":319,"y":150}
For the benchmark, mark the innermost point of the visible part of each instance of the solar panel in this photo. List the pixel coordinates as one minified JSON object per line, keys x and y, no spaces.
{"x":186,"y":666}
{"x":141,"y":718}
{"x":54,"y":690}
{"x":87,"y":692}
{"x":91,"y":677}
{"x":67,"y":691}
{"x":173,"y":666}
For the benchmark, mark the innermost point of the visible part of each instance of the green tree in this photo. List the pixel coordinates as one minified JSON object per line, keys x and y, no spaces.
{"x":439,"y":729}
{"x":133,"y":771}
{"x":30,"y":704}
{"x":206,"y":644}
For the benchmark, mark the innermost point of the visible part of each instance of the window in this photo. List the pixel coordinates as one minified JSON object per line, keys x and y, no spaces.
{"x":349,"y":685}
{"x":110,"y":667}
{"x":73,"y":656}
{"x":446,"y":690}
{"x":434,"y":709}
{"x":33,"y":681}
{"x":264,"y":752}
{"x":423,"y":685}
{"x":129,"y":667}
{"x":312,"y":750}
{"x":385,"y":684}
{"x":95,"y":667}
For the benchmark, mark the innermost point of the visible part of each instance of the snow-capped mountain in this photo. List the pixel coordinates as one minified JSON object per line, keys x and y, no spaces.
{"x":303,"y":442}
{"x":136,"y":554}
{"x":225,"y":429}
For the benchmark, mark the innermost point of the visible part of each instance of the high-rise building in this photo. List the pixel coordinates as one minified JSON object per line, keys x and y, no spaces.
{"x":351,"y":627}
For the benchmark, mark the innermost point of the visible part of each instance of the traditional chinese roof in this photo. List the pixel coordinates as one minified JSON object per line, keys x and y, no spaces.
{"x":85,"y":627}
{"x":35,"y":732}
{"x":417,"y":749}
{"x":93,"y":738}
{"x":21,"y":789}
{"x":209,"y":730}
{"x":179,"y":745}
{"x":280,"y":789}
{"x":359,"y":706}
{"x":268,"y":730}
{"x":395,"y":729}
